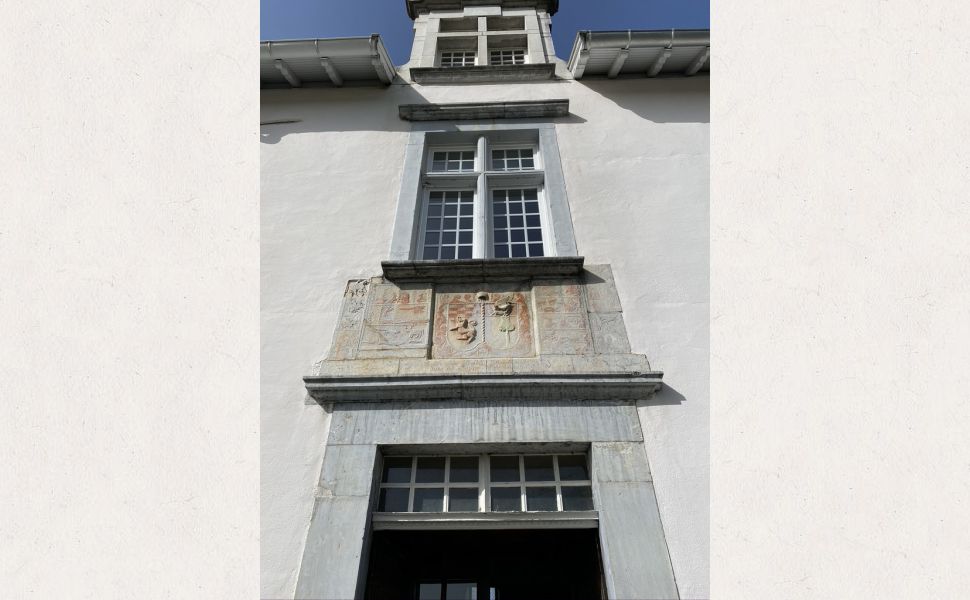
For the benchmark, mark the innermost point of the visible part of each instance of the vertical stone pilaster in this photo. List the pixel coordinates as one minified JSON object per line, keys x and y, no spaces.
{"x":636,"y":563}
{"x":333,"y":566}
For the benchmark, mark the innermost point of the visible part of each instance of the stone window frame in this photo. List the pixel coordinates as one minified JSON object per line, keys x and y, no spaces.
{"x":485,"y":485}
{"x":405,"y":241}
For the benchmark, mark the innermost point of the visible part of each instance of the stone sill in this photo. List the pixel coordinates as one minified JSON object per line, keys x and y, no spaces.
{"x":595,"y":387}
{"x":482,"y":269}
{"x":585,"y":519}
{"x":464,"y":111}
{"x":483,"y":73}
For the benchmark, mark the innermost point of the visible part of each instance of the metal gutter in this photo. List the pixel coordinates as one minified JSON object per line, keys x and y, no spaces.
{"x":624,"y":40}
{"x":277,"y":52}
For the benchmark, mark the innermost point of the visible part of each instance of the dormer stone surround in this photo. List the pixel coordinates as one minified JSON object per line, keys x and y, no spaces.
{"x":482,"y":26}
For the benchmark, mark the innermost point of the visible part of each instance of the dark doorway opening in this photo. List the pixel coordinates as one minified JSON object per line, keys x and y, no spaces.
{"x":485,"y":565}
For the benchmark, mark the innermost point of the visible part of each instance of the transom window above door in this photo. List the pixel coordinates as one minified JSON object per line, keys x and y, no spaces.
{"x":486,"y":201}
{"x":485,"y":483}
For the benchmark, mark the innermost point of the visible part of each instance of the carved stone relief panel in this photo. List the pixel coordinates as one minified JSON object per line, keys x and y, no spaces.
{"x":347,"y":335}
{"x":491,"y":322}
{"x":396,"y":318}
{"x":563,"y":323}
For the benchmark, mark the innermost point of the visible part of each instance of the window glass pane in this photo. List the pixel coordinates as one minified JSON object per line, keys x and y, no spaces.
{"x":530,"y":194}
{"x":431,"y":469}
{"x":465,"y":237}
{"x":517,"y":235}
{"x":393,"y":500}
{"x":465,"y":223}
{"x":463,"y":499}
{"x":506,"y":499}
{"x":431,"y":239}
{"x":540,"y":498}
{"x":429,"y":591}
{"x":535,"y":249}
{"x":464,"y":252}
{"x":449,"y":223}
{"x":499,"y":208}
{"x":501,"y":235}
{"x":451,"y":209}
{"x":464,"y":469}
{"x":518,"y":251}
{"x":448,"y":237}
{"x":466,"y":210}
{"x":397,"y":469}
{"x":461,"y":591}
{"x":515,"y":208}
{"x":539,"y":468}
{"x":532,"y":220}
{"x":501,"y":251}
{"x":535,"y":235}
{"x":448,"y":253}
{"x":428,"y":499}
{"x":516,"y":220}
{"x":504,"y":468}
{"x":434,"y":224}
{"x":577,"y":497}
{"x":572,"y":467}
{"x":430,"y":253}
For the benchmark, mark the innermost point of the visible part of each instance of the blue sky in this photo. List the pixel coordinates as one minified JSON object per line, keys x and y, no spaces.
{"x":297,"y":19}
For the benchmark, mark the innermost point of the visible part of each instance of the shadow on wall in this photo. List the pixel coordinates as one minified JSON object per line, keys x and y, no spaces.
{"x":328,"y":109}
{"x":311,"y":110}
{"x":660,"y":100}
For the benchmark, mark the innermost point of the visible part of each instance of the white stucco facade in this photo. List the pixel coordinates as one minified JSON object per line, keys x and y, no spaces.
{"x":634,"y":154}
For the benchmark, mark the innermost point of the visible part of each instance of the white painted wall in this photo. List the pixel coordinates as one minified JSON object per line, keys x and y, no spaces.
{"x":635,"y":156}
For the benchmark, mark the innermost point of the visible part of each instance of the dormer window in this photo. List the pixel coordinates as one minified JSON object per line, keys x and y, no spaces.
{"x":509,"y":56}
{"x":459,"y":58}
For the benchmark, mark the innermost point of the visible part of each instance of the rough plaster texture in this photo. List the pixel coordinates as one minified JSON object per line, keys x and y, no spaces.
{"x":635,"y":159}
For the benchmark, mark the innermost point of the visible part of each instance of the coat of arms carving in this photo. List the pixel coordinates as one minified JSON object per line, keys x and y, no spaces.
{"x":482,"y":324}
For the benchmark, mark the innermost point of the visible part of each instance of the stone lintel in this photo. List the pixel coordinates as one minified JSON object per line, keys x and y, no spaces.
{"x":485,"y":520}
{"x":604,"y":387}
{"x":483,"y":74}
{"x":525,"y":109}
{"x":482,"y":269}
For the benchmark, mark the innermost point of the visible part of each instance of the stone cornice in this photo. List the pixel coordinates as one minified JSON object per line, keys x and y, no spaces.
{"x":483,"y":73}
{"x":526,"y":109}
{"x":596,"y":387}
{"x":482,"y":269}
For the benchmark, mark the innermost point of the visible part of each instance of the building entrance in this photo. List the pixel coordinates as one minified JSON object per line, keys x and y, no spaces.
{"x":485,"y":565}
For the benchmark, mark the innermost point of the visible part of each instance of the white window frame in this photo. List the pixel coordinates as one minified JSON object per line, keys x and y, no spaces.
{"x":502,"y":62}
{"x":482,"y":181}
{"x":451,"y":65}
{"x":425,"y":204}
{"x":548,"y":247}
{"x":536,"y":158}
{"x":485,"y":484}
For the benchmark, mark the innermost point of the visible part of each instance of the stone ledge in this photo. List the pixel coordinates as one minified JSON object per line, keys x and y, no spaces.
{"x":483,"y":73}
{"x":597,"y":387}
{"x":463,"y":111}
{"x":482,"y":269}
{"x":579,"y":519}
